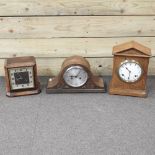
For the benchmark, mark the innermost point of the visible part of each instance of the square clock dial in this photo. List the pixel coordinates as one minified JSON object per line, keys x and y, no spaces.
{"x":21,"y":78}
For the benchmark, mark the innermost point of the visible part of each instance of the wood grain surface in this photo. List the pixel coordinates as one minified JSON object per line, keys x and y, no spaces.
{"x":76,"y":7}
{"x":65,"y":47}
{"x":77,"y":27}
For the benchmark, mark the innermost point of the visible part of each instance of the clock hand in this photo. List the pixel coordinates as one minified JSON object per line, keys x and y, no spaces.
{"x":72,"y":76}
{"x":78,"y":74}
{"x":129,"y":75}
{"x":19,"y":77}
{"x":128,"y":69}
{"x":129,"y":72}
{"x":25,"y":79}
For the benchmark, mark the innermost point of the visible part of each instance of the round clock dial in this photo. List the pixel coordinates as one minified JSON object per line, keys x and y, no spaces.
{"x":130,"y":71}
{"x":75,"y":76}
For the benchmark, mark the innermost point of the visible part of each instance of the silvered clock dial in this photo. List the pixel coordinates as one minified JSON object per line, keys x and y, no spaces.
{"x":75,"y":76}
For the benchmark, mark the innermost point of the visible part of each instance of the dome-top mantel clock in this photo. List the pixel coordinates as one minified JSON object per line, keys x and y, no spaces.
{"x":130,"y":67}
{"x":75,"y":77}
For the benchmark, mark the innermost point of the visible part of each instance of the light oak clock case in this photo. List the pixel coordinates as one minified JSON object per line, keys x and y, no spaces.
{"x":131,"y":51}
{"x":58,"y":85}
{"x":21,"y":62}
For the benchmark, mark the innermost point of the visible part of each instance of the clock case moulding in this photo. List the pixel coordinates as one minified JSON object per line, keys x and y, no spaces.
{"x":130,"y":51}
{"x":57,"y":84}
{"x":19,"y":62}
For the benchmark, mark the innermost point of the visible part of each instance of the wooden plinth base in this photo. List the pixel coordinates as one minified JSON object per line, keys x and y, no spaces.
{"x":23,"y":93}
{"x":128,"y":92}
{"x":53,"y":90}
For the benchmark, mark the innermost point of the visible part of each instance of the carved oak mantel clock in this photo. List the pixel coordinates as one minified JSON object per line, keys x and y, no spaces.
{"x":75,"y":76}
{"x":130,"y":67}
{"x":21,"y":76}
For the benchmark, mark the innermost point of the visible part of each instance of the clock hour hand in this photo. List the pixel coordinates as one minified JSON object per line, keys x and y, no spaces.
{"x":128,"y":69}
{"x":19,"y":77}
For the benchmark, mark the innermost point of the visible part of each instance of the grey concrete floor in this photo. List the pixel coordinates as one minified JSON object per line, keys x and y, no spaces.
{"x":77,"y":124}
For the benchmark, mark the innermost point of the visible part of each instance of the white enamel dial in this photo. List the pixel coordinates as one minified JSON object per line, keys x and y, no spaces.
{"x":21,"y":78}
{"x":75,"y":76}
{"x":130,"y":71}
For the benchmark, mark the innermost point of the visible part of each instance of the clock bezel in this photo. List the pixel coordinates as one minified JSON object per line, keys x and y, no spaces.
{"x":77,"y":66}
{"x":130,"y":61}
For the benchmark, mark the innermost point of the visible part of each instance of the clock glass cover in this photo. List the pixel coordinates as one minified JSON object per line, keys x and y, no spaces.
{"x":130,"y":71}
{"x":21,"y":78}
{"x":75,"y":76}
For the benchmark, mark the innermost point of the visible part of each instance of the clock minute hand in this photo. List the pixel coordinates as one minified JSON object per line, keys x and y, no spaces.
{"x":78,"y":73}
{"x":129,"y":72}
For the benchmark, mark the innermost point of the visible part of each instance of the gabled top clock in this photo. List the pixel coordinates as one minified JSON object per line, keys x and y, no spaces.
{"x":130,"y":67}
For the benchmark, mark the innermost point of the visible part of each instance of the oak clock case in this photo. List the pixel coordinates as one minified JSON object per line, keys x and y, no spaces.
{"x":75,"y":77}
{"x":21,"y":76}
{"x":130,"y":67}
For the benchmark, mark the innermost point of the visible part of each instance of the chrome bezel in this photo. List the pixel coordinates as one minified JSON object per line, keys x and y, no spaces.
{"x":73,"y":67}
{"x":129,"y":61}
